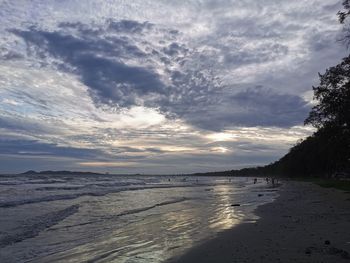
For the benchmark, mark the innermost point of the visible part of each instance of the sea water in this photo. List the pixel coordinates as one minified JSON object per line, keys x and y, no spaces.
{"x":108,"y":218}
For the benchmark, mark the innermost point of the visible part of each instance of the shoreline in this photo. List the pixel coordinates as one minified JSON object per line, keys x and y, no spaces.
{"x":305,"y":223}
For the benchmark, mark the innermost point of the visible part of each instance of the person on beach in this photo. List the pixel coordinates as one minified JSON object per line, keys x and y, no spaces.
{"x":255,"y":180}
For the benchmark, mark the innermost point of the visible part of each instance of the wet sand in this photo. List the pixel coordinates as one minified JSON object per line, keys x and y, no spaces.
{"x":306,"y":223}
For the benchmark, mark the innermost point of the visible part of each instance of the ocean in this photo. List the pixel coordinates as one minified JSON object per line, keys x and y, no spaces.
{"x":109,"y":218}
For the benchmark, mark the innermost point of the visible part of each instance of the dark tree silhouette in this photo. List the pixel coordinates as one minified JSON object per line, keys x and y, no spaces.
{"x":326,"y":152}
{"x":343,"y":19}
{"x":333,"y":96}
{"x":344,"y":13}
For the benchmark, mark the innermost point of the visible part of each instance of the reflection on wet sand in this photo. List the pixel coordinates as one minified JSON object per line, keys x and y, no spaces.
{"x":225,"y":216}
{"x":149,"y":225}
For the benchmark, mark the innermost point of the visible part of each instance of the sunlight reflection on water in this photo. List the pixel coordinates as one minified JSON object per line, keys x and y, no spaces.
{"x":148,"y":225}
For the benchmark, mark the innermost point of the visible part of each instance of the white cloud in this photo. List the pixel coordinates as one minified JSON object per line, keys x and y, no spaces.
{"x":218,"y":50}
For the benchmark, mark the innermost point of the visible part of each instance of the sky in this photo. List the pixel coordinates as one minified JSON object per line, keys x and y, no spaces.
{"x":159,"y":87}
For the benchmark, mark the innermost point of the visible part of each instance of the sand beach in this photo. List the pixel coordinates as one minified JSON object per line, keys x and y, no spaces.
{"x":306,"y":223}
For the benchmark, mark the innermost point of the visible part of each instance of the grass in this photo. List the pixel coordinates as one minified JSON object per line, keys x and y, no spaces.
{"x":328,"y":183}
{"x":331,"y":183}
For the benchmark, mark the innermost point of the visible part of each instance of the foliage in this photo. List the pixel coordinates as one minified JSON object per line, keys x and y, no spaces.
{"x":338,"y":184}
{"x":333,"y":96}
{"x":343,"y":19}
{"x":344,"y":13}
{"x":326,"y":182}
{"x":326,"y":153}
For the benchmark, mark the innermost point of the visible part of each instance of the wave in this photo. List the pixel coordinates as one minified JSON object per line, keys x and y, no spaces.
{"x":56,"y":188}
{"x":45,"y":199}
{"x":129,"y":212}
{"x":79,"y":187}
{"x":138,"y":210}
{"x":32,"y":227}
{"x":14,"y":203}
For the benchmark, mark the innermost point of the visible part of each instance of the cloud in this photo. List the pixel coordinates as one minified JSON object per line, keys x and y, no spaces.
{"x":252,"y":107}
{"x":36,"y":148}
{"x":130,"y":26}
{"x":147,"y":81}
{"x":97,"y":60}
{"x":101,"y":62}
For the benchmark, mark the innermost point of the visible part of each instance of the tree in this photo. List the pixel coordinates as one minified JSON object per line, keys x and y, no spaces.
{"x":345,"y":13}
{"x":333,"y":96}
{"x":327,"y":151}
{"x":343,"y":17}
{"x":331,"y":116}
{"x":333,"y":92}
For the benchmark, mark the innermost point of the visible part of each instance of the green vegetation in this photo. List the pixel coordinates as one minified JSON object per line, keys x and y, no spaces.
{"x":338,"y":184}
{"x":326,"y":153}
{"x":327,"y":183}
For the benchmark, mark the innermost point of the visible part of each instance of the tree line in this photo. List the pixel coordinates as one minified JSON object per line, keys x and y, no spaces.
{"x":325,"y":153}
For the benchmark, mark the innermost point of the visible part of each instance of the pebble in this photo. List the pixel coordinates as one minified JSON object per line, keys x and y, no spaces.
{"x":308,"y":251}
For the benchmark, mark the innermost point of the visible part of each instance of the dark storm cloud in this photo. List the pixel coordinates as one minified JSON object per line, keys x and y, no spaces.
{"x":273,"y":108}
{"x":22,"y":147}
{"x":32,"y":147}
{"x":150,"y":90}
{"x":98,"y":61}
{"x":174,"y":49}
{"x":23,"y":125}
{"x":129,"y":26}
{"x":252,"y":107}
{"x":320,"y":41}
{"x":101,"y":56}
